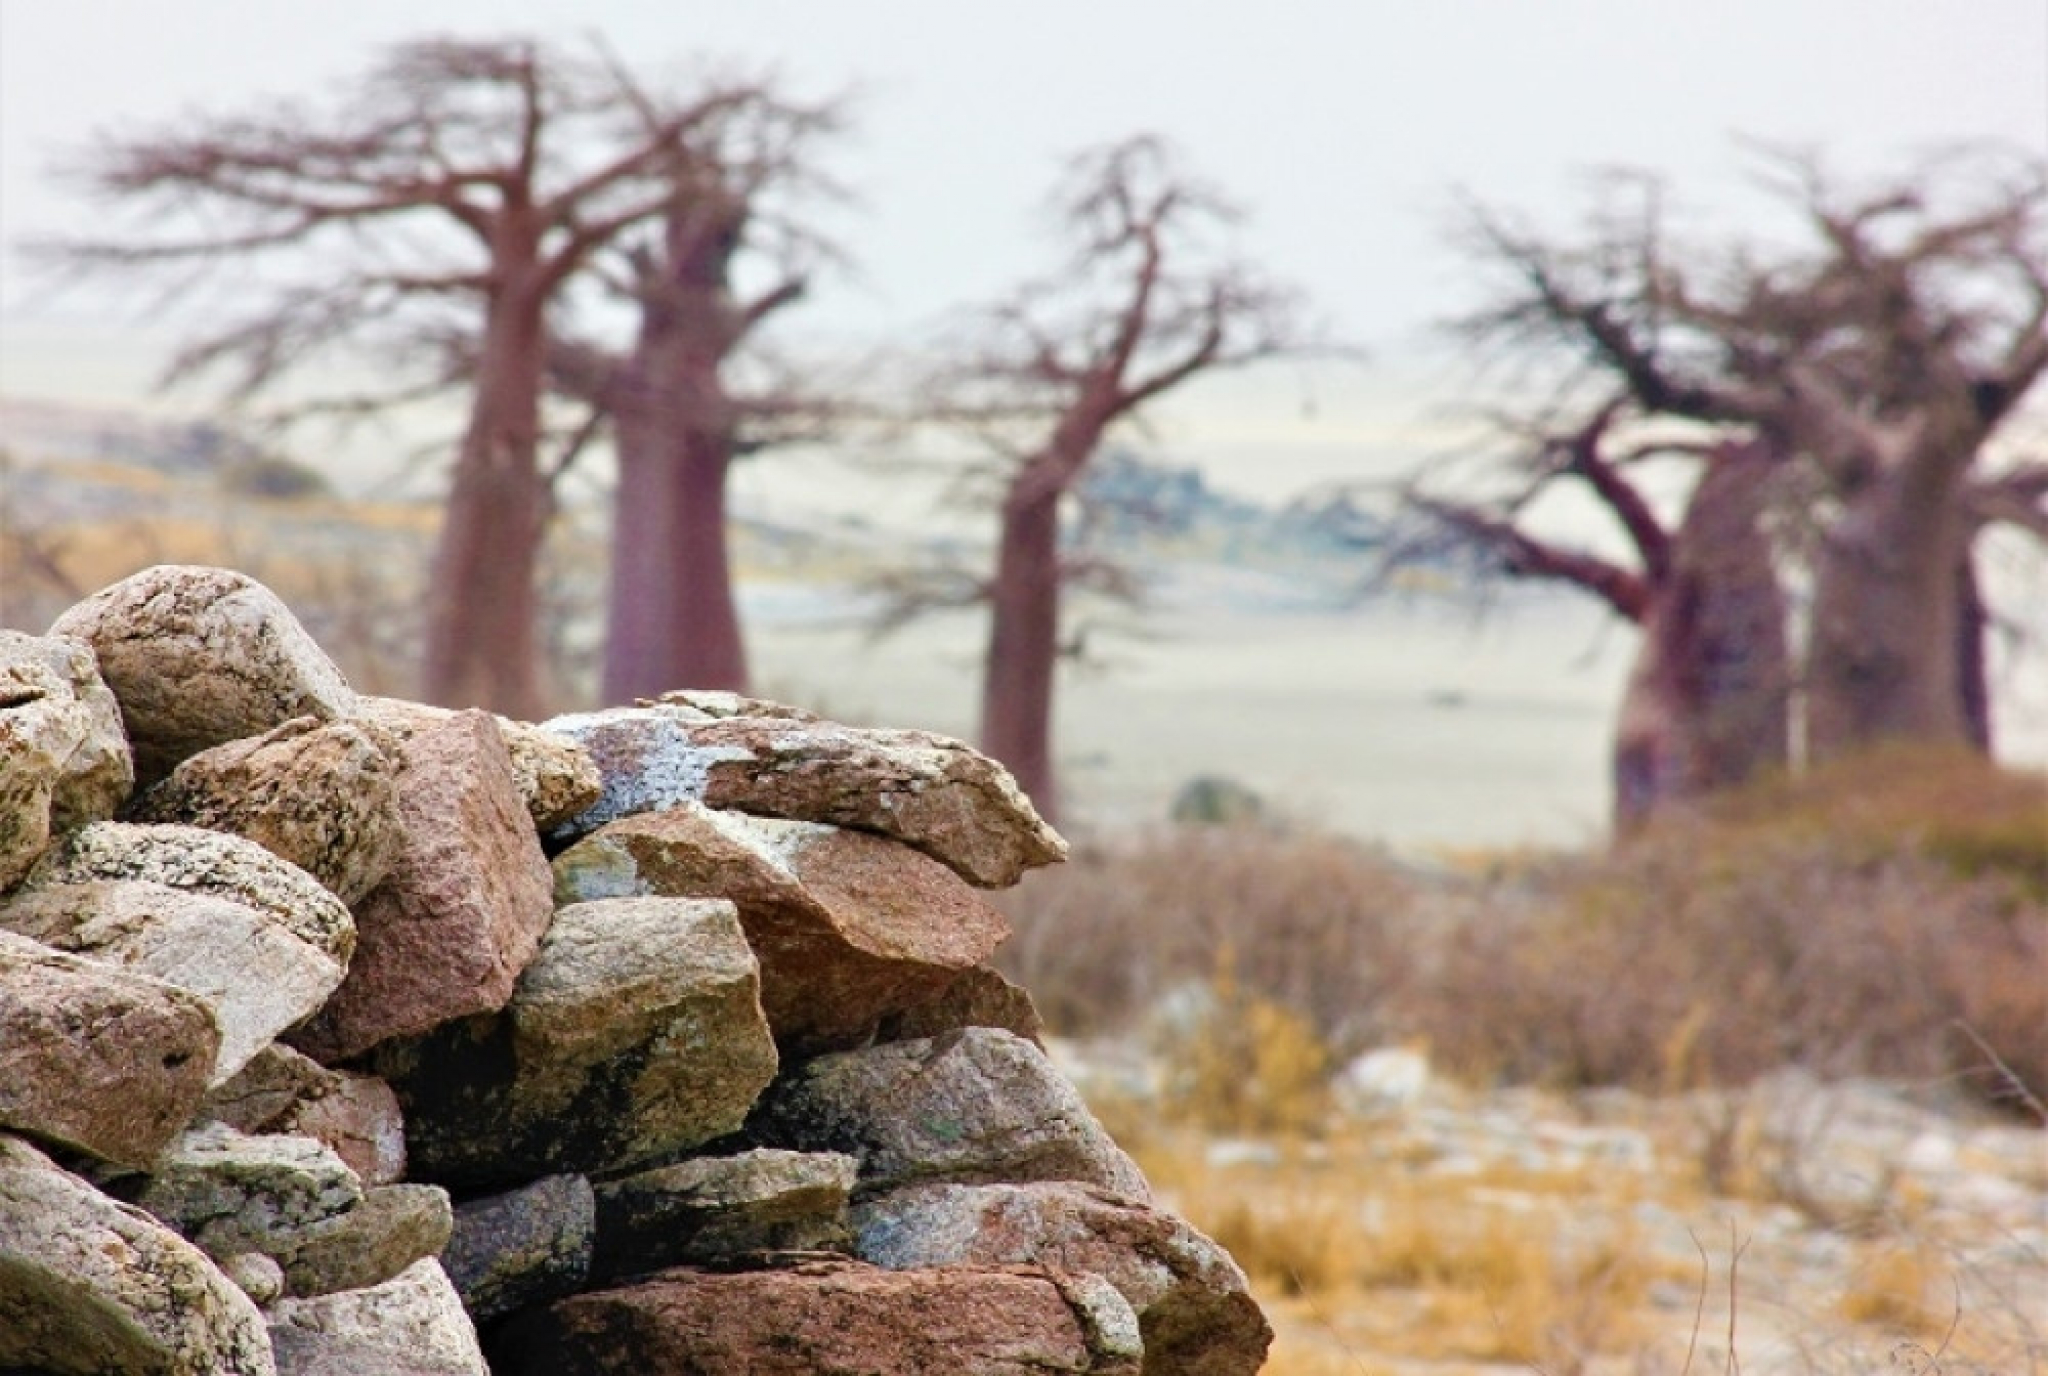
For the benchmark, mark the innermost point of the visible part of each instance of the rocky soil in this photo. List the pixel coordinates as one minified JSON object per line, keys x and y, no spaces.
{"x":1792,"y":1226}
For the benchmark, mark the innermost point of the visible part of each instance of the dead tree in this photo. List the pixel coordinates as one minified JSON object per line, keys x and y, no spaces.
{"x":1148,"y":301}
{"x":458,"y":188}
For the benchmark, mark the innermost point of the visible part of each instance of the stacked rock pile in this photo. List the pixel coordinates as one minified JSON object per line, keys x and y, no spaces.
{"x":343,"y":1034}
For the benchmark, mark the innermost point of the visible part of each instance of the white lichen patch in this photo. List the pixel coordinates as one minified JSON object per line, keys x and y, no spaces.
{"x":646,"y":760}
{"x":777,"y":841}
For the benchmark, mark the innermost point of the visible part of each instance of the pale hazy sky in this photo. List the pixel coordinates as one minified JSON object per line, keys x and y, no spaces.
{"x":1344,"y":125}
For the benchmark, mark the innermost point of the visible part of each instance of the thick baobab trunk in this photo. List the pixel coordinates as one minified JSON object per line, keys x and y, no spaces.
{"x":1882,"y":664}
{"x":1708,"y":703}
{"x":640,"y":608}
{"x":707,"y":650}
{"x":672,"y":621}
{"x":1017,"y":690}
{"x":1973,"y":670}
{"x":482,"y":639}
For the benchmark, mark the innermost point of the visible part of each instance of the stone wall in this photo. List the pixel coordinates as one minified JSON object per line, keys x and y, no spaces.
{"x":343,"y":1034}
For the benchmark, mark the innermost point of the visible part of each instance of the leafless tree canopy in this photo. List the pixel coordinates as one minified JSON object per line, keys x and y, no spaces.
{"x":430,"y":220}
{"x":1860,"y":377}
{"x":1148,"y":297}
{"x":697,"y":389}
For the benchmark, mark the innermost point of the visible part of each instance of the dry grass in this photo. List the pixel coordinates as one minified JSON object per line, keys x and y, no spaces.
{"x":1350,"y":1252}
{"x":1833,"y":933}
{"x":1882,"y":919}
{"x":1902,"y":1286}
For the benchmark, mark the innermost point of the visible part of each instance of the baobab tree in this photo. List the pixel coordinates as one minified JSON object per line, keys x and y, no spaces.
{"x":1707,"y":704}
{"x":1860,"y":378}
{"x":679,"y":418}
{"x":1148,"y":299}
{"x":1891,"y":365}
{"x":455,"y":190}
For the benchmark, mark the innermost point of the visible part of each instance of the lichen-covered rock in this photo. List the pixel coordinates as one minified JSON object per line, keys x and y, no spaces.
{"x":646,"y":761}
{"x":930,"y":792}
{"x":63,"y":758}
{"x":825,"y":1316}
{"x":96,"y":1058}
{"x":556,"y":779}
{"x":636,"y":1032}
{"x":1193,"y":1306}
{"x":522,"y":1247}
{"x":461,"y":911}
{"x":89,"y":1286}
{"x":323,"y":795}
{"x":411,"y":1325}
{"x":256,"y":975}
{"x":291,"y":1199}
{"x":710,"y":1208}
{"x":978,"y":1105}
{"x":393,"y":1227}
{"x":255,"y":1275}
{"x":205,"y":862}
{"x":849,"y":927}
{"x":199,"y":656}
{"x":239,"y":1192}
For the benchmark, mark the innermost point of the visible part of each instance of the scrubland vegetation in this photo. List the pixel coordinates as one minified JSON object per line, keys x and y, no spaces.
{"x":1884,"y":918}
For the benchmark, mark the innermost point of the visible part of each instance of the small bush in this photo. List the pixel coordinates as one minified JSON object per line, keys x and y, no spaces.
{"x":1314,"y":924}
{"x":1246,"y":1065}
{"x":1841,"y":924}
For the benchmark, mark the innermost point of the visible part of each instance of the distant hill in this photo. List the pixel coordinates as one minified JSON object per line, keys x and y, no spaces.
{"x":92,"y":493}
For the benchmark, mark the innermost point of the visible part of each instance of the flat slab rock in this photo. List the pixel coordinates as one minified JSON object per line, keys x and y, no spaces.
{"x":238,"y":1192}
{"x":978,"y":1106}
{"x":205,"y":862}
{"x":256,"y":974}
{"x":827,"y":1317}
{"x":1193,"y":1305}
{"x":411,"y":1325}
{"x":394,"y":1227}
{"x":930,"y":792}
{"x":709,"y":1208}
